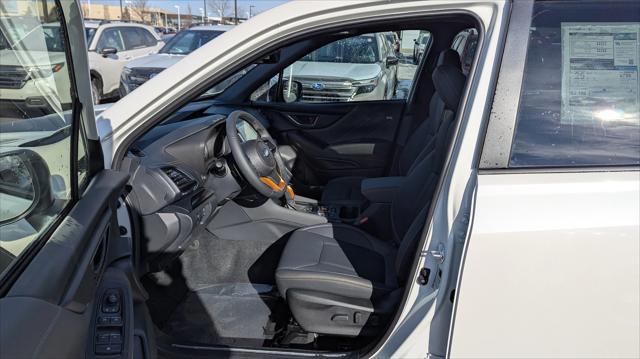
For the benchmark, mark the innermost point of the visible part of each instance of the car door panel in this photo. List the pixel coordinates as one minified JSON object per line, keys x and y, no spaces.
{"x":337,"y":139}
{"x":50,"y":307}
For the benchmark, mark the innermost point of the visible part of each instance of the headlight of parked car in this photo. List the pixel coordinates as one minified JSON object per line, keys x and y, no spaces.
{"x":37,"y":72}
{"x":366,"y":86}
{"x":134,"y":77}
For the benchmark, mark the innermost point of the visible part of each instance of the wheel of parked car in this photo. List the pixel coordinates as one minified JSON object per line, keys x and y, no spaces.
{"x":95,"y":91}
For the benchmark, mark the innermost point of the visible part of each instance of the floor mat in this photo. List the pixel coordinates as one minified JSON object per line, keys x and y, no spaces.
{"x":228,"y":314}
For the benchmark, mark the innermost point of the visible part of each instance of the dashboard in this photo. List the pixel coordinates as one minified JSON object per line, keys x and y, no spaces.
{"x":180,"y":177}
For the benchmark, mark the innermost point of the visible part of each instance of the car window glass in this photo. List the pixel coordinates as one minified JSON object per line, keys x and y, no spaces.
{"x":110,"y":38}
{"x":579,"y":104}
{"x":133,"y":38}
{"x":188,"y":40}
{"x":89,"y":32}
{"x":368,"y":67}
{"x":35,"y":125}
{"x":148,"y":39}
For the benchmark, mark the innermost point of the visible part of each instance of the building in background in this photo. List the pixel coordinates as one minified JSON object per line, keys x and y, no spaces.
{"x":152,"y":16}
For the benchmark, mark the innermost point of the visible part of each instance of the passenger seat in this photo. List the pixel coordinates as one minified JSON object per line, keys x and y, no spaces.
{"x":347,"y":190}
{"x":338,"y":279}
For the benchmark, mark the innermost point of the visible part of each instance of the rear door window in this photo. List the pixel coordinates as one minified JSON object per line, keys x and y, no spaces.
{"x":148,"y":39}
{"x":133,"y":38}
{"x":579,"y":104}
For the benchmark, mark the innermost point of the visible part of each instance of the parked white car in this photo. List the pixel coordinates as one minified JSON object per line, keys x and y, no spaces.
{"x":111,"y":46}
{"x":31,"y":70}
{"x":140,"y":70}
{"x":488,"y":215}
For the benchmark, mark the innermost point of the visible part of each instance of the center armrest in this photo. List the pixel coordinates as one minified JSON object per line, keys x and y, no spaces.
{"x":380,"y":189}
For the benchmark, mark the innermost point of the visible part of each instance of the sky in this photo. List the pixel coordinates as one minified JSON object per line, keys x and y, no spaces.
{"x":259,"y":5}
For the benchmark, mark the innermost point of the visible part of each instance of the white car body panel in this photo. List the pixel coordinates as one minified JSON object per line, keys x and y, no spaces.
{"x":160,"y":61}
{"x":324,"y":70}
{"x":551,"y":268}
{"x":39,"y":86}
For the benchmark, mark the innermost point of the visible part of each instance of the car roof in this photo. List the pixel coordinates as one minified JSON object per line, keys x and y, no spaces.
{"x":91,"y":24}
{"x":212,"y":28}
{"x":96,"y":24}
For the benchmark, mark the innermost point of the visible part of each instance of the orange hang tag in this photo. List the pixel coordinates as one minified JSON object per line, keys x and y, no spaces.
{"x":290,"y":192}
{"x":269,"y":182}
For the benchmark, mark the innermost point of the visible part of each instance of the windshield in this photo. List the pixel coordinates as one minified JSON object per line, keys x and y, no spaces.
{"x":89,"y":32}
{"x":354,"y":50}
{"x":187,"y":41}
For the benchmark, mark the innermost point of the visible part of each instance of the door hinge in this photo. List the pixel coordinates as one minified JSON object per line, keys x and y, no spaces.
{"x":438,"y":254}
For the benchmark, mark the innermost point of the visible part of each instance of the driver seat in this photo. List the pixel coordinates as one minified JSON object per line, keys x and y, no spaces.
{"x":340,"y":280}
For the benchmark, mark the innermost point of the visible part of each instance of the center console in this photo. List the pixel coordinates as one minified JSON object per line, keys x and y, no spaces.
{"x":333,"y":212}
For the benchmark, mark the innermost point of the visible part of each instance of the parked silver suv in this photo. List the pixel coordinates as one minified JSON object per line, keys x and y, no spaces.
{"x":360,"y":68}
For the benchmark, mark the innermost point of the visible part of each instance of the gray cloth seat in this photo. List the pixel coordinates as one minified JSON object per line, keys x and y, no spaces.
{"x":346,"y":190}
{"x":341,"y":258}
{"x":339,"y":280}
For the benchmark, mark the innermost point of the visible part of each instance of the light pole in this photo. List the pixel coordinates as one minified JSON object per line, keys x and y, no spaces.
{"x":204,"y":5}
{"x":235,"y":12}
{"x":178,"y":7}
{"x":251,"y":10}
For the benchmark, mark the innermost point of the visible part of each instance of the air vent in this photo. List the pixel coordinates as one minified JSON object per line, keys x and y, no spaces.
{"x":184,"y":182}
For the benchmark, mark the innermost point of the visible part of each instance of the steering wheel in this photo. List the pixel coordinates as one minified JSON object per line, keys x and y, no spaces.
{"x":258,"y":160}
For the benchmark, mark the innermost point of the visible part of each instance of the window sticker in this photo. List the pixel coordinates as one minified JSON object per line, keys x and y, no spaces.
{"x":600,"y":72}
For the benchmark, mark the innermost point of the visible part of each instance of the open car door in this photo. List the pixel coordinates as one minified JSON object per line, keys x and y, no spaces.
{"x":64,"y":289}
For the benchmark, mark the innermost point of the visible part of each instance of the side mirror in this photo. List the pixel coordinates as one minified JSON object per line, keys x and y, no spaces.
{"x":391,"y":61}
{"x":24,"y":185}
{"x":108,"y":51}
{"x":291,"y":91}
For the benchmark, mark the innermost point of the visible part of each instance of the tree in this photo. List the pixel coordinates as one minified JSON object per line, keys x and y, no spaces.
{"x":221,"y":7}
{"x":140,"y":8}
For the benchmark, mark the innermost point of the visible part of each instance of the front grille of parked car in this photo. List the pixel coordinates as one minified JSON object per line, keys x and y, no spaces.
{"x":327,"y":91}
{"x":13,"y":77}
{"x":140,"y":75}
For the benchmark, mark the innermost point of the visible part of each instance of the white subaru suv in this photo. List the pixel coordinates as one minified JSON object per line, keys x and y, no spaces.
{"x":111,"y":46}
{"x":494,"y":212}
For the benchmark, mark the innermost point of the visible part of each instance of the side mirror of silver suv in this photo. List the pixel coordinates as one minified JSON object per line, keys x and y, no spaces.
{"x":391,"y":61}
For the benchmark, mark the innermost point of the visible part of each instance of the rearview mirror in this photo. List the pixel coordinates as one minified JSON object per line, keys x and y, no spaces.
{"x":108,"y":51}
{"x":24,"y":185}
{"x":291,"y":91}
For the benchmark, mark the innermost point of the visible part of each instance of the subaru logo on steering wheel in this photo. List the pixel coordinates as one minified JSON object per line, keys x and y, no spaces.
{"x":317,"y":86}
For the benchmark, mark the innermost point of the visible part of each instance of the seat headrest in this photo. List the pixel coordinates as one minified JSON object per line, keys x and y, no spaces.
{"x":449,"y":81}
{"x":449,"y":57}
